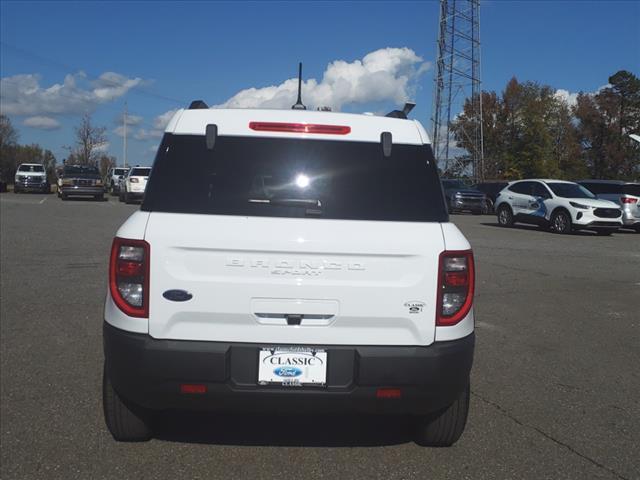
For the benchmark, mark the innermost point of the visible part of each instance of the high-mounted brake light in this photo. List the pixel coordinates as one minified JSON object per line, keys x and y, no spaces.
{"x":129,"y":276}
{"x":299,"y":128}
{"x":456,"y":282}
{"x":628,"y":200}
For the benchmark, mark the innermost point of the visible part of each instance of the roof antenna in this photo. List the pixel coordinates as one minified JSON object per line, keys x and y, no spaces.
{"x":299,"y":105}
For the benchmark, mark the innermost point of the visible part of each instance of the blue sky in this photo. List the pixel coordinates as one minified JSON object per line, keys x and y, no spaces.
{"x":158,"y":56}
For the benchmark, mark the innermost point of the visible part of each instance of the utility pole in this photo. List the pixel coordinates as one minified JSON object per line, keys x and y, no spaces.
{"x":458,"y":78}
{"x":124,"y":142}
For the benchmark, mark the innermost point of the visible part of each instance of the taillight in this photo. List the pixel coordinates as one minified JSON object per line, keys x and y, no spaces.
{"x":129,"y":276}
{"x":456,"y":279}
{"x":299,"y":128}
{"x":628,"y":200}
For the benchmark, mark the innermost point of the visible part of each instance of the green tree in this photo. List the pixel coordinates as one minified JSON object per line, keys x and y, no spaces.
{"x":604,"y":122}
{"x":8,"y":142}
{"x":527,"y":131}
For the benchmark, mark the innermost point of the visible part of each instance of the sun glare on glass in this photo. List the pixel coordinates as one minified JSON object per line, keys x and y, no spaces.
{"x":302,"y":181}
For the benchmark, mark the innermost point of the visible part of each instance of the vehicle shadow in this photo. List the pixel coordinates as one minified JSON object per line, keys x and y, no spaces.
{"x":283,"y":430}
{"x":534,"y":228}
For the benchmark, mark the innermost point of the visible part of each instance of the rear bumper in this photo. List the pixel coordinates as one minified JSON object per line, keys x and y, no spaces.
{"x":149,"y":372}
{"x":82,"y":190}
{"x":136,"y":195}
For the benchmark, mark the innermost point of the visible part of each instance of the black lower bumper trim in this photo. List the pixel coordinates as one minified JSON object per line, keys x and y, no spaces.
{"x":149,"y":372}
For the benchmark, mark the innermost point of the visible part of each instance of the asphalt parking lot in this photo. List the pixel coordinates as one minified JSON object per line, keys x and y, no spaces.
{"x":555,"y":387}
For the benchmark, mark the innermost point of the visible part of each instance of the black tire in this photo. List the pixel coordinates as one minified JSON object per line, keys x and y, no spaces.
{"x":444,"y":428}
{"x":120,"y":196}
{"x":64,"y":197}
{"x":505,"y":216}
{"x":127,"y":199}
{"x":99,"y":198}
{"x":487,"y":207}
{"x":477,"y":212}
{"x":637,"y":229}
{"x":126,"y":422}
{"x":561,"y":222}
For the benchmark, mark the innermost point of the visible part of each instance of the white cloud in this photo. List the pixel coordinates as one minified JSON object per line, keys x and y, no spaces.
{"x":23,"y":94}
{"x":103,"y":147}
{"x":43,"y":123}
{"x":387,"y":74}
{"x":569,"y":98}
{"x":134,"y":119}
{"x":161,"y":121}
{"x":143,"y":134}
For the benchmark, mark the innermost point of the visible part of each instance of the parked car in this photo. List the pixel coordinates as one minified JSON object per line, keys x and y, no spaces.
{"x":289,"y":261}
{"x":491,"y":191}
{"x":556,"y":204}
{"x":31,"y":177}
{"x":80,"y":181}
{"x":112,"y":181}
{"x":462,"y":198}
{"x":625,"y":194}
{"x":133,"y":184}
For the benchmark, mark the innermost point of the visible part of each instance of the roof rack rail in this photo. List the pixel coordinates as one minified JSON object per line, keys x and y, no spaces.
{"x":198,"y":104}
{"x":402,"y":113}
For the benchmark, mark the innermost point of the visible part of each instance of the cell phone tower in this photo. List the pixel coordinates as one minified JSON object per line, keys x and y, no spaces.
{"x":458,"y":78}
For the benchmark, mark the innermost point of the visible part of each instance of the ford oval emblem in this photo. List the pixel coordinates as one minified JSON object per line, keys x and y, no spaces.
{"x":288,"y":372}
{"x":177,"y":295}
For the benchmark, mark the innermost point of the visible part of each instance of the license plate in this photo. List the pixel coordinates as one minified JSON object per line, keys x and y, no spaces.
{"x":292,"y":367}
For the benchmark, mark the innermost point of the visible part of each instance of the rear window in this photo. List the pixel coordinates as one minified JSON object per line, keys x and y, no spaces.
{"x":602,"y":187}
{"x":140,"y":172}
{"x":81,"y":170}
{"x":120,"y":171}
{"x":632,"y":189}
{"x":30,"y":168}
{"x":275,"y":177}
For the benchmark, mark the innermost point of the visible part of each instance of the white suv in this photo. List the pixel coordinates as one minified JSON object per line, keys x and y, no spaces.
{"x":290,"y":261}
{"x":556,"y":204}
{"x":133,"y":185}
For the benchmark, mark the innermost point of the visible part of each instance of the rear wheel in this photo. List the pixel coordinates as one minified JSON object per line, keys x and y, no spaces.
{"x":126,"y":422}
{"x":505,"y":216}
{"x":64,"y":197}
{"x":444,"y":428}
{"x":561,"y":222}
{"x":127,"y":198}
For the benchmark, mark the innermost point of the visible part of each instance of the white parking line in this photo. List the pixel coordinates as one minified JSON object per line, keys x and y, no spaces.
{"x":43,"y":200}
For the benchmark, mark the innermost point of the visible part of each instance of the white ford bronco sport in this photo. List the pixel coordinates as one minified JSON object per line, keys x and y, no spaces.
{"x":290,"y":261}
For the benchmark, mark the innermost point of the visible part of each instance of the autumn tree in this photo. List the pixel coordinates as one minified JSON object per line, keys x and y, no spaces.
{"x":106,"y":162}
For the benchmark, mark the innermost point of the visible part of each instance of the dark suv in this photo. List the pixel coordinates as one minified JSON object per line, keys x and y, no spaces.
{"x":82,"y":181}
{"x":491,"y":191}
{"x":462,"y":198}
